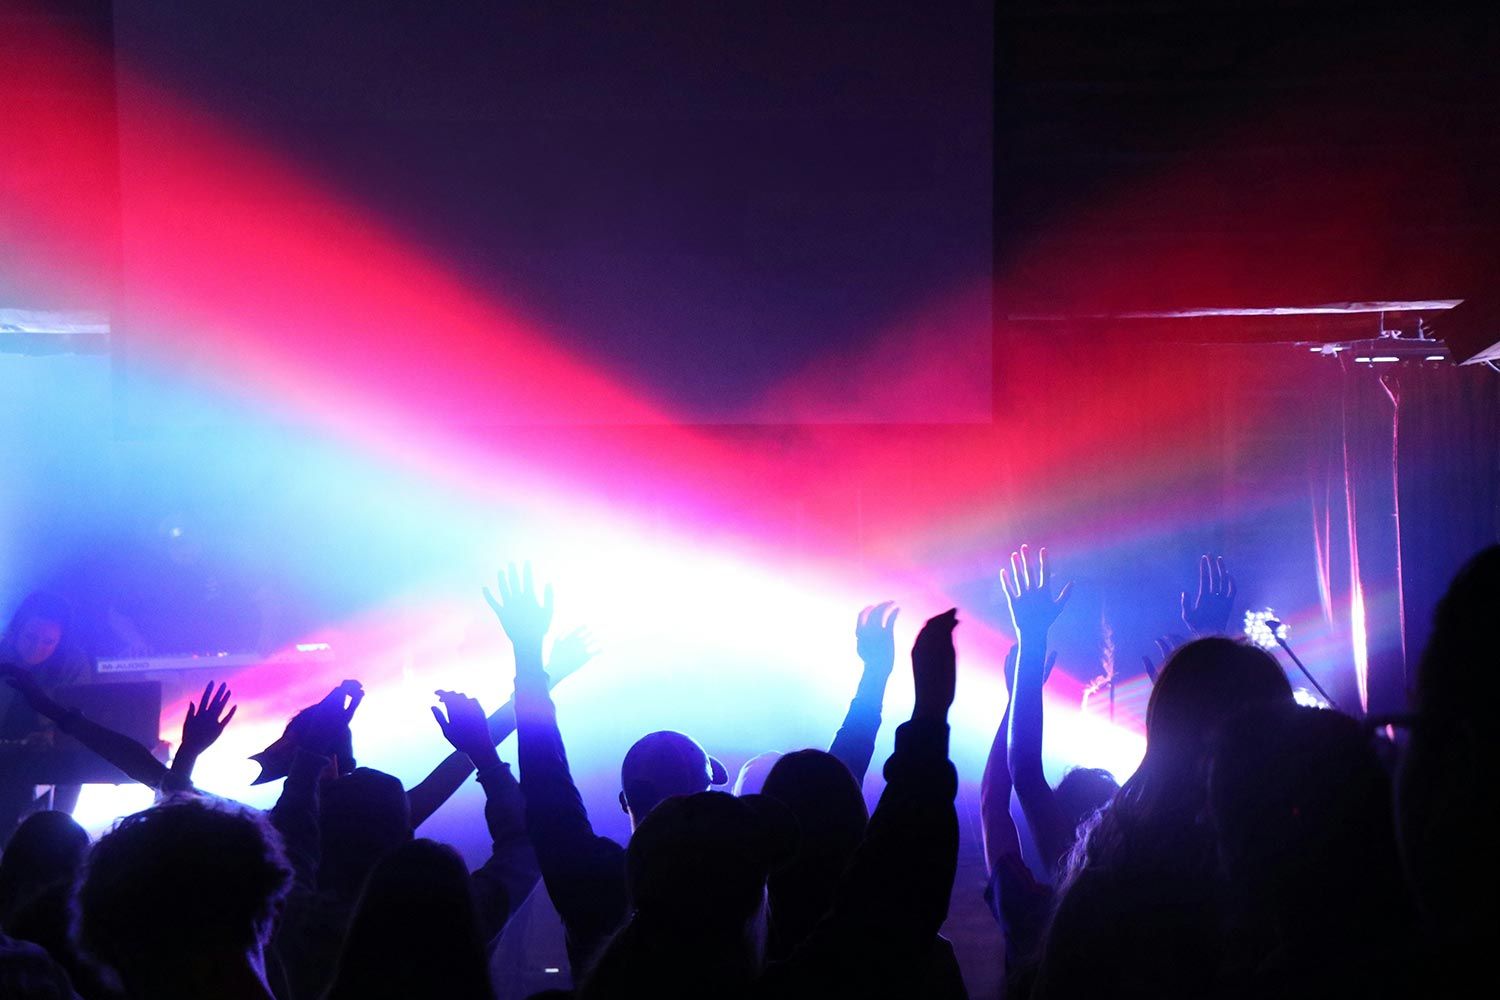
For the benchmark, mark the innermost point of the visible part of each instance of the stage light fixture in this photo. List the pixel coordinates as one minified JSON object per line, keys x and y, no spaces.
{"x":1263,"y":628}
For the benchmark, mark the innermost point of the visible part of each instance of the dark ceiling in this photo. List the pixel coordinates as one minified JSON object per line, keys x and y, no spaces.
{"x":1158,"y":155}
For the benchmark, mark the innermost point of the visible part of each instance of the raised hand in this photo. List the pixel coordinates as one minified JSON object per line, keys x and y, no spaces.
{"x":569,"y":652}
{"x":465,"y":726}
{"x":1209,"y":612}
{"x":514,"y":601}
{"x":205,"y":720}
{"x":1032,"y":607}
{"x":1164,"y":647}
{"x":324,"y":726}
{"x":875,"y":635}
{"x":934,"y":667}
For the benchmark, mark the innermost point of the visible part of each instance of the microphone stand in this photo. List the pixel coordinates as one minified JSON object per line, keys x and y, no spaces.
{"x":1275,"y":627}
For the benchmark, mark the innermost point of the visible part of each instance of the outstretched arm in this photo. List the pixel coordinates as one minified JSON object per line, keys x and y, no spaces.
{"x":894,"y":896}
{"x":297,"y":814}
{"x":1018,"y":902}
{"x":428,"y":795}
{"x":875,"y":641}
{"x":584,"y":872}
{"x":996,"y":826}
{"x":131,"y":757}
{"x":508,"y":877}
{"x":1032,"y":612}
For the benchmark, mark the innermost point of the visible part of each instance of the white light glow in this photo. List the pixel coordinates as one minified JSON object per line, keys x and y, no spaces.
{"x":1309,"y":699}
{"x":1258,"y":628}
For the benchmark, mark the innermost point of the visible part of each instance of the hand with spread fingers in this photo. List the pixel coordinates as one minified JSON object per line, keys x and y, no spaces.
{"x":1164,"y":647}
{"x":206,"y":720}
{"x":1209,"y":612}
{"x":524,"y":616}
{"x":465,"y":727}
{"x":875,"y":635}
{"x":1032,"y":607}
{"x":570,"y":652}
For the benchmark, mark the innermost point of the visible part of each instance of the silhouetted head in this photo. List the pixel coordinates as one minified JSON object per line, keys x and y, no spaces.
{"x":38,"y":629}
{"x":1154,"y":817}
{"x":1205,"y":681}
{"x":1301,"y":808}
{"x":696,"y":871}
{"x":752,"y":776}
{"x":365,"y":816}
{"x":415,"y":927}
{"x":45,"y":850}
{"x":1444,"y":811}
{"x":825,"y":800}
{"x":662,"y":764}
{"x":193,"y":877}
{"x":1082,"y":792}
{"x":822,"y":795}
{"x":1202,"y":684}
{"x":700,"y":861}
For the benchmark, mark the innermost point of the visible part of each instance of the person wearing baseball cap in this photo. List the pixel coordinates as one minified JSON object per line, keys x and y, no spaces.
{"x":698,"y":867}
{"x":660,"y":765}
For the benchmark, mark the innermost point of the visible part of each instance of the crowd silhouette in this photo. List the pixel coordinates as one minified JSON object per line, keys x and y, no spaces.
{"x":1261,"y":848}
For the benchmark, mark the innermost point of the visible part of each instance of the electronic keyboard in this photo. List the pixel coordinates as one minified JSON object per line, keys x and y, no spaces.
{"x":306,"y":652}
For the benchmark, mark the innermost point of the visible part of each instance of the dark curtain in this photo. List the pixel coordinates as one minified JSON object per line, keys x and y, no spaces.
{"x":1405,"y":486}
{"x":1450,"y":483}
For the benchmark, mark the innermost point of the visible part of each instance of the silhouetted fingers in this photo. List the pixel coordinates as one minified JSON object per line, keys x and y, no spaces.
{"x":354,"y":699}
